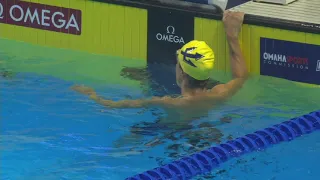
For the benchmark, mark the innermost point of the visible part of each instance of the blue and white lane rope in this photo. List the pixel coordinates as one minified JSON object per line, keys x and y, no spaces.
{"x":206,"y":160}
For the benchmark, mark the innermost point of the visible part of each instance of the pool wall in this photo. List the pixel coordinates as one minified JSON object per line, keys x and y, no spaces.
{"x":99,"y":31}
{"x":152,"y":31}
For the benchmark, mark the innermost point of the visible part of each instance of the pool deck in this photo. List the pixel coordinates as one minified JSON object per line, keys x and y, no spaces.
{"x":307,"y":11}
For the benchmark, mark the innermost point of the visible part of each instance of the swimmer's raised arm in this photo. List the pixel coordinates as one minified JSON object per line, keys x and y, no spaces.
{"x":232,"y":23}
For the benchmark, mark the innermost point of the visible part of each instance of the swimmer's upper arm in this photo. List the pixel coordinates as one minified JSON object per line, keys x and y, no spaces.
{"x":138,"y":103}
{"x":167,"y":101}
{"x":224,"y":91}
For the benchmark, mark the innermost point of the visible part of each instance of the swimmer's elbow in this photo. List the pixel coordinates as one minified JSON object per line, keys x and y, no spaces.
{"x":225,"y":91}
{"x":144,"y":103}
{"x":243,"y":75}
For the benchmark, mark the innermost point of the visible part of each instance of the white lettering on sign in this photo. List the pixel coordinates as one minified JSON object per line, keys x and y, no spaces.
{"x":72,"y":23}
{"x":44,"y":17}
{"x":41,"y":16}
{"x":318,"y":66}
{"x":285,"y":61}
{"x":170,"y":30}
{"x":1,"y":11}
{"x":12,"y":15}
{"x":57,"y":17}
{"x":274,"y":57}
{"x":62,"y":22}
{"x":33,"y":16}
{"x":170,"y":36}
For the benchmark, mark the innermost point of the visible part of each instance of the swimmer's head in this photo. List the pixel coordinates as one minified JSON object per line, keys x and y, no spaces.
{"x":195,"y":62}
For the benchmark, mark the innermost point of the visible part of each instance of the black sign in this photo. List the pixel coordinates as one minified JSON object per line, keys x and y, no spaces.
{"x":167,"y":32}
{"x":290,"y":60}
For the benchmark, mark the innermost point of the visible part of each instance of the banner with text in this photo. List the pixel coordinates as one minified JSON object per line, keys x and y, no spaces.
{"x":40,"y":16}
{"x":290,"y":60}
{"x":167,"y":32}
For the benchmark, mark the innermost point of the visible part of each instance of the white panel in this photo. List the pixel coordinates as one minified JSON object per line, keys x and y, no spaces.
{"x":300,"y":10}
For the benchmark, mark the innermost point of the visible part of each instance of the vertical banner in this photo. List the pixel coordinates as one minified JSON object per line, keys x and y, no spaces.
{"x":290,"y":60}
{"x":167,"y":32}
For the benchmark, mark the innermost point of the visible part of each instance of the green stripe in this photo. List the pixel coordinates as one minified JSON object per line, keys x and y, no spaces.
{"x":76,"y":66}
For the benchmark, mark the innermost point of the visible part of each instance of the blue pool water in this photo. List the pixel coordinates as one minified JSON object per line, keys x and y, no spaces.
{"x":51,"y":132}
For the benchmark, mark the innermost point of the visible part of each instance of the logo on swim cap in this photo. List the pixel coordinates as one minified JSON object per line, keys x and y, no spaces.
{"x":186,"y":55}
{"x":196,"y":59}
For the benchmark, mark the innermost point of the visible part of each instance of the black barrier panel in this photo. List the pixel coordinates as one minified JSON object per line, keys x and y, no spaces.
{"x":168,"y":31}
{"x":234,"y":3}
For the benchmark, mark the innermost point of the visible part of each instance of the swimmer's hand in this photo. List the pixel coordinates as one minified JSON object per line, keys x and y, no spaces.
{"x":232,"y":23}
{"x":93,"y":95}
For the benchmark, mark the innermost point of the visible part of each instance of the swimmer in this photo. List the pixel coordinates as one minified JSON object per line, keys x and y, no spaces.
{"x":195,"y":62}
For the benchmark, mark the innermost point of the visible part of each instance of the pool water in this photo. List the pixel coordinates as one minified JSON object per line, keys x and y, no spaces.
{"x":49,"y":131}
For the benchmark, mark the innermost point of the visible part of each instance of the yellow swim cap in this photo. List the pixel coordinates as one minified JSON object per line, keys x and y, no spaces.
{"x":196,"y":59}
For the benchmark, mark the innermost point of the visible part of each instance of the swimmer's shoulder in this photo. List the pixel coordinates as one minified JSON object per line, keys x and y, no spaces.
{"x":215,"y":91}
{"x":227,"y":90}
{"x":213,"y":86}
{"x":212,"y":83}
